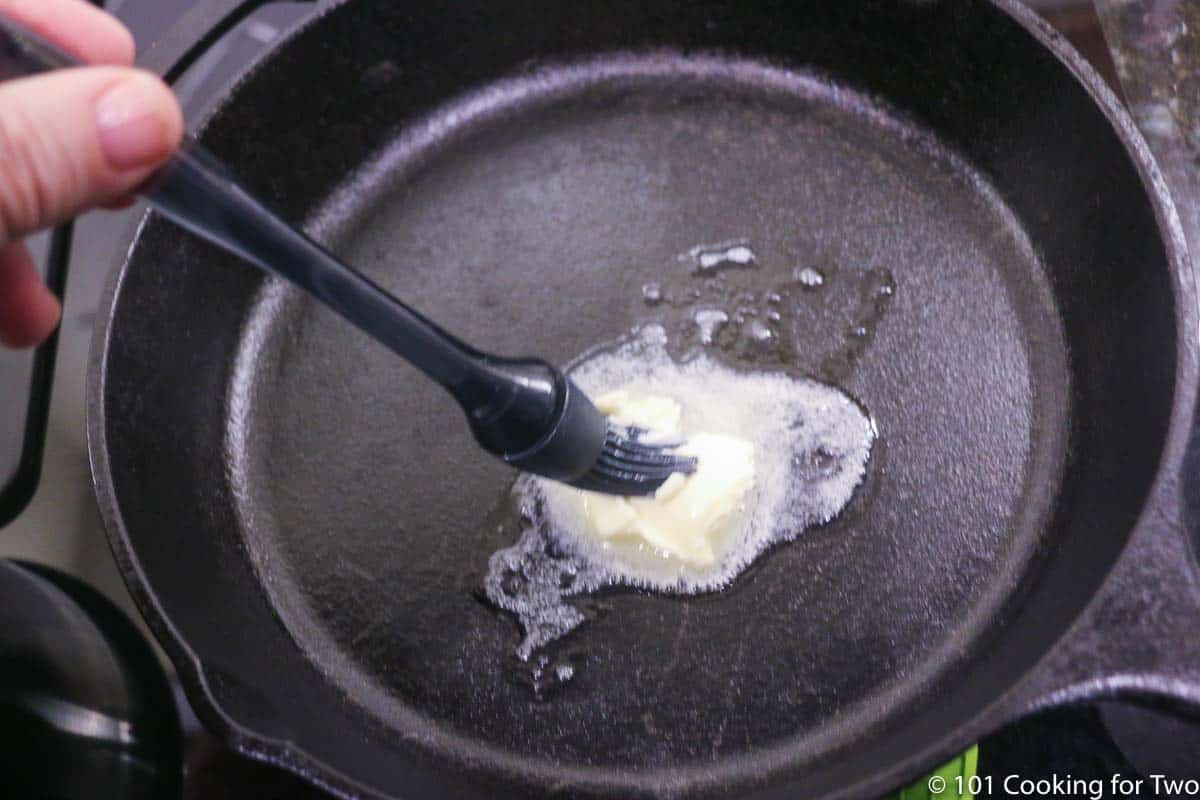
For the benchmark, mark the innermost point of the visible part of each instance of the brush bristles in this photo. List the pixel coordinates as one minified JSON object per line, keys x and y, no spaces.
{"x":629,"y":465}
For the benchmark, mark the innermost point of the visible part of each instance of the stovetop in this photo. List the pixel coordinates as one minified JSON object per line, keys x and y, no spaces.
{"x":61,"y":526}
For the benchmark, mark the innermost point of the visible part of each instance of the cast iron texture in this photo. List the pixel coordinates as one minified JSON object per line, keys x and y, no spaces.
{"x":304,"y":522}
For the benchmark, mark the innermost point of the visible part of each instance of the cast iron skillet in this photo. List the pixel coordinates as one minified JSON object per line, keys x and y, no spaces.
{"x":304,"y":521}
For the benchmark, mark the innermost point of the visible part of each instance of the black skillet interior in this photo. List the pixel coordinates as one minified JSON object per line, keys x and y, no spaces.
{"x":306,"y":523}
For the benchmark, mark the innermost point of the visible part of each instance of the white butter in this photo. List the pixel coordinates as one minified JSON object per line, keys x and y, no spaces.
{"x":655,"y":412}
{"x":687,"y":516}
{"x":783,"y":453}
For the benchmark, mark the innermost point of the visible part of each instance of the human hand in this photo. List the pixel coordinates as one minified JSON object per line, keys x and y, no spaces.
{"x":70,"y":141}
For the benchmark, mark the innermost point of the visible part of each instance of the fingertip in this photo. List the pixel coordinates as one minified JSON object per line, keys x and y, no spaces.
{"x":117,"y":47}
{"x":172,"y":110}
{"x":139,"y":122}
{"x":73,"y":139}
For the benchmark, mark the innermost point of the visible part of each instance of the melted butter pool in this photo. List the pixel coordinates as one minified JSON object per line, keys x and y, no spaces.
{"x":811,"y":446}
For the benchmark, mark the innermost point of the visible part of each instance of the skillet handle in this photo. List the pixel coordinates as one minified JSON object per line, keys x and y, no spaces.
{"x":1139,"y":637}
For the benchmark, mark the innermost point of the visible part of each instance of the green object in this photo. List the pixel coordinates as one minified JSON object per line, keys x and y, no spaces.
{"x":952,"y":776}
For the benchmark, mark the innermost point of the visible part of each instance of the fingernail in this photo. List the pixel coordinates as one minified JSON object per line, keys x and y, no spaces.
{"x":130,"y":123}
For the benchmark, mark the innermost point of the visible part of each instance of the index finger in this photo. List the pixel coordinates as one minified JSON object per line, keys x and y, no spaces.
{"x":77,"y":26}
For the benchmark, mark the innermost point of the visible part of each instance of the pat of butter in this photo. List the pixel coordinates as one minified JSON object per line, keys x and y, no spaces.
{"x":655,"y":412}
{"x":686,"y":515}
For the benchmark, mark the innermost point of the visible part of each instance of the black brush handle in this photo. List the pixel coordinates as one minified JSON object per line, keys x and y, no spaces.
{"x":511,"y":404}
{"x":198,"y":193}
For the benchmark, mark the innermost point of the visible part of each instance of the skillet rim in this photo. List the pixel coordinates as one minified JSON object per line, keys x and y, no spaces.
{"x":739,"y":769}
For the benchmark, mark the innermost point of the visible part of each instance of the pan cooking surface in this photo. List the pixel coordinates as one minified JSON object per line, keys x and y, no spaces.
{"x":530,"y":218}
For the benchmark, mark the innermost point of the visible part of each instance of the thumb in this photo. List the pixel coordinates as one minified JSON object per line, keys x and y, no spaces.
{"x":77,"y":138}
